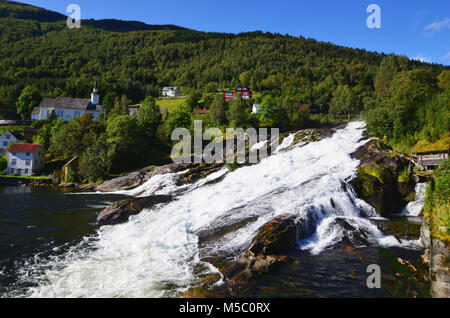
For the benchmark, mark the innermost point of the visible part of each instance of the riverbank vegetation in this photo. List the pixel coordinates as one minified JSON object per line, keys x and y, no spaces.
{"x":437,"y":203}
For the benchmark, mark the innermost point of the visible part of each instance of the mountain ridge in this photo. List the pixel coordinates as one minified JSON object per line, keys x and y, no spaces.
{"x":23,"y":11}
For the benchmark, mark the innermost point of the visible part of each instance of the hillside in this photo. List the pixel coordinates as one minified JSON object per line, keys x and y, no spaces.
{"x":136,"y":59}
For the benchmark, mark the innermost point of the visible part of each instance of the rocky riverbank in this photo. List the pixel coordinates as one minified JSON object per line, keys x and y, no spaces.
{"x":436,"y":257}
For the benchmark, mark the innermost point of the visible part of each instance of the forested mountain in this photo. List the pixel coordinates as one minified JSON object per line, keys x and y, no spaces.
{"x":36,"y":48}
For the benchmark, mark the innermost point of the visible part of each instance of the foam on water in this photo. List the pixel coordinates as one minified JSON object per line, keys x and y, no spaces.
{"x":415,"y":207}
{"x":157,"y":253}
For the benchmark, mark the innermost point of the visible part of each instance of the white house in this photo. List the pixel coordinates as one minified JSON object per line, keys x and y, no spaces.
{"x":255,"y":108}
{"x":68,"y":108}
{"x":25,"y":159}
{"x":8,"y":138}
{"x":170,"y":91}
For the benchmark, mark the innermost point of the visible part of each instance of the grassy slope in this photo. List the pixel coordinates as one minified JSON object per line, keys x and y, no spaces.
{"x":171,"y":104}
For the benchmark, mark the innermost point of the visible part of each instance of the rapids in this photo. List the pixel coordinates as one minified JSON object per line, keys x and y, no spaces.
{"x":157,"y":253}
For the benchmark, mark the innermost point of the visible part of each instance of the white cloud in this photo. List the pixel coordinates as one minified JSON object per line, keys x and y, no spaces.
{"x":436,"y":26}
{"x":421,"y":58}
{"x":446,"y":57}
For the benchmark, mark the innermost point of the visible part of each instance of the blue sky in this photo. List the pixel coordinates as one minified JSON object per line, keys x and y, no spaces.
{"x":417,"y":29}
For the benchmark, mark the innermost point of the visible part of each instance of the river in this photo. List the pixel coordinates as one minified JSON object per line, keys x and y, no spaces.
{"x":49,"y":246}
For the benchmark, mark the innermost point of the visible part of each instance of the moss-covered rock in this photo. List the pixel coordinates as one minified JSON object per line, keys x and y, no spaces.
{"x":383,"y":179}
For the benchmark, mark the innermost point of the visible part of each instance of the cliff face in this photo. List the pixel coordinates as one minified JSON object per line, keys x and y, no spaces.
{"x":437,"y":258}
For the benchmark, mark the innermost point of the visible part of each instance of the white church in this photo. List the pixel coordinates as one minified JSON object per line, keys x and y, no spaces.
{"x":68,"y":108}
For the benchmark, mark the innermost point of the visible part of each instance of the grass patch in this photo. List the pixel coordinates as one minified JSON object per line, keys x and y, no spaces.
{"x":170,"y":103}
{"x":29,"y":178}
{"x":439,"y":145}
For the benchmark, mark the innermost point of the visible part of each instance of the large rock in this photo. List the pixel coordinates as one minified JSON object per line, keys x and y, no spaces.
{"x":121,"y":211}
{"x":267,"y":251}
{"x":134,"y":179}
{"x":380,"y":181}
{"x":126,"y":182}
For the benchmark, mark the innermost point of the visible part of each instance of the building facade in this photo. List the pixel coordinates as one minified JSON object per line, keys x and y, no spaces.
{"x":67,"y":108}
{"x":171,"y":91}
{"x":25,"y":159}
{"x":8,"y":138}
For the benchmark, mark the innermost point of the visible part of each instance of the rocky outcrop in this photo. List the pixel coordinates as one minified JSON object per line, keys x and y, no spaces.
{"x":199,"y":172}
{"x":266,"y":252}
{"x":120,"y":212}
{"x":436,"y":257}
{"x":134,"y":179}
{"x":383,"y":179}
{"x":127,"y":181}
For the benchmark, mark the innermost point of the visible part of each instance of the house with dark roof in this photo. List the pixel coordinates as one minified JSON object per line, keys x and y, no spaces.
{"x":8,"y":138}
{"x":69,"y":108}
{"x":25,"y":159}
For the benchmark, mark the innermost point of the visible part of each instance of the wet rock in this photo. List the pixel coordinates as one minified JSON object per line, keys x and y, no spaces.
{"x":134,"y":179}
{"x":265,"y":253}
{"x":121,"y":211}
{"x":436,"y":256}
{"x":200,"y":171}
{"x":126,"y":182}
{"x":380,"y":180}
{"x":276,"y":237}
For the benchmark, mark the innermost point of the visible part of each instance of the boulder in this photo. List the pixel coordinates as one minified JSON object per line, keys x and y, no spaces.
{"x":380,"y":180}
{"x":267,"y":251}
{"x":134,"y":179}
{"x":120,"y":212}
{"x":127,"y":181}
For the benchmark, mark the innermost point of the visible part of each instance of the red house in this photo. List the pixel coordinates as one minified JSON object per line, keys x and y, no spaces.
{"x":243,"y":91}
{"x":202,"y":111}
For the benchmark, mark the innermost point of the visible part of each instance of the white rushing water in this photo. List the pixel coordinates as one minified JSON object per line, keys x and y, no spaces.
{"x":157,"y":253}
{"x":415,"y":207}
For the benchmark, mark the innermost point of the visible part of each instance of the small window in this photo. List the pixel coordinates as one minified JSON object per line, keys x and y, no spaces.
{"x":8,"y":136}
{"x":28,"y":154}
{"x":26,"y":171}
{"x":5,"y":144}
{"x":13,"y":162}
{"x":27,"y":163}
{"x":14,"y":153}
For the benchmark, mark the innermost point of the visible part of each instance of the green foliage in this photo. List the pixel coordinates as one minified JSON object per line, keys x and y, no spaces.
{"x":123,"y":141}
{"x":437,"y":203}
{"x":95,"y":162}
{"x":414,"y":108}
{"x":149,"y":116}
{"x":179,"y":118}
{"x":218,"y":108}
{"x":405,"y":176}
{"x":73,"y":138}
{"x":28,"y":99}
{"x":3,"y":163}
{"x":237,"y":112}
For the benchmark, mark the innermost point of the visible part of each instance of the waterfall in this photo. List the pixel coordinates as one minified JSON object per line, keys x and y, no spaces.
{"x":158,"y":253}
{"x":415,"y":207}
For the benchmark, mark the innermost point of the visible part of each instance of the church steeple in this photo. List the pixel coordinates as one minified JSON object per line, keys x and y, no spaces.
{"x":95,"y":97}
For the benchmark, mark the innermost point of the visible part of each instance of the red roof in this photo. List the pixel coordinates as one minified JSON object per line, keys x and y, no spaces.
{"x":302,"y":107}
{"x":23,"y":148}
{"x":202,"y":111}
